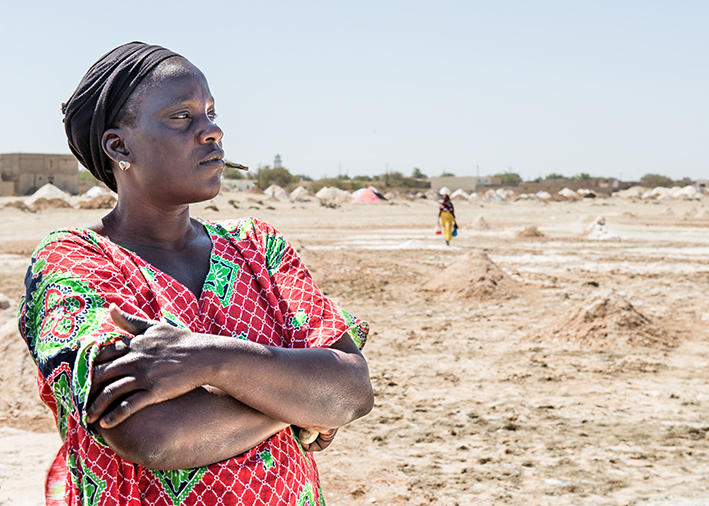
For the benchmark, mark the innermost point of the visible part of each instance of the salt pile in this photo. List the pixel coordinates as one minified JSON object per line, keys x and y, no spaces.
{"x":334,"y":194}
{"x":634,"y":192}
{"x":689,"y":192}
{"x":588,"y":194}
{"x":479,"y":223}
{"x":473,"y":276}
{"x":570,"y":194}
{"x":667,"y":212}
{"x":276,"y":192}
{"x":505,"y":194}
{"x":299,"y":193}
{"x":530,"y":231}
{"x":343,"y":198}
{"x":444,"y":191}
{"x":254,"y":190}
{"x":599,"y":221}
{"x":655,"y":193}
{"x":49,"y":191}
{"x":702,"y":215}
{"x":95,"y":191}
{"x":607,"y":320}
{"x":597,"y":230}
{"x":460,"y":195}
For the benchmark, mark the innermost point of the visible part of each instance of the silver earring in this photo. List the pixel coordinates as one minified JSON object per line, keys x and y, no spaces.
{"x":124,"y":165}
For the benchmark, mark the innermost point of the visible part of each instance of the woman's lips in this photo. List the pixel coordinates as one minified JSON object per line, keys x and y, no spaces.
{"x":216,"y":162}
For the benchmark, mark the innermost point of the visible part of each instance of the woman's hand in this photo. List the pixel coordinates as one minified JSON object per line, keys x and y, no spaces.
{"x":161,"y":362}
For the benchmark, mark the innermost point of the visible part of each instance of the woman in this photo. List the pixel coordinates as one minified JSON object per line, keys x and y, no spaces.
{"x":177,"y":354}
{"x":446,"y":217}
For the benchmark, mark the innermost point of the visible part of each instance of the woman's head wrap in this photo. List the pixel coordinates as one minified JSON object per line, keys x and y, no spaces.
{"x":93,"y":107}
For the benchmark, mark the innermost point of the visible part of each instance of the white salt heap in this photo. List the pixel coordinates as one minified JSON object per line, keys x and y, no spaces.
{"x":597,"y":230}
{"x":49,"y":191}
{"x":277,"y":192}
{"x":299,"y":193}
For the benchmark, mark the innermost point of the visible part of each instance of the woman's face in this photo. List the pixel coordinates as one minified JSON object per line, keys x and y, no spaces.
{"x":175,"y":147}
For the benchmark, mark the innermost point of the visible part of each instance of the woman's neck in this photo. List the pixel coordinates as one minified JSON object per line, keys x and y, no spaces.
{"x":146,"y":225}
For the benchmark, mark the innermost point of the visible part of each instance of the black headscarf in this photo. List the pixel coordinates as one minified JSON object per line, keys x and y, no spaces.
{"x":446,"y":205}
{"x":99,"y":97}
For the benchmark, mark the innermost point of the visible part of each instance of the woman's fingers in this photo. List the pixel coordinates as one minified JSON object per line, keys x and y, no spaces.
{"x":111,"y":352}
{"x":130,"y":323}
{"x":109,"y":395}
{"x":127,"y":407}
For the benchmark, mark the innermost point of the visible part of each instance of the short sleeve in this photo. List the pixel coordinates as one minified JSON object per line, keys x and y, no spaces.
{"x":63,"y":317}
{"x":310,"y":318}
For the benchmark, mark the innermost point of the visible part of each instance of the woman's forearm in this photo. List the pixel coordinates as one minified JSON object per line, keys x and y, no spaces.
{"x":317,"y":387}
{"x":313,"y":387}
{"x":196,"y":429}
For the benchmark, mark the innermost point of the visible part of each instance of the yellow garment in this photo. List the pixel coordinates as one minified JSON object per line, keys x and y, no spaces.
{"x":447,"y":220}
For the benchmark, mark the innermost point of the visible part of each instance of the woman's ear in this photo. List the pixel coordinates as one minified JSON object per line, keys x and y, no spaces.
{"x":113,"y":144}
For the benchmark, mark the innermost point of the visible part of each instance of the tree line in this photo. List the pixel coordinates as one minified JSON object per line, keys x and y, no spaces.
{"x":281,"y":176}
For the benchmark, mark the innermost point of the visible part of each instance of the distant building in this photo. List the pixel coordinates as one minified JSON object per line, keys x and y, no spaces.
{"x":277,"y":162}
{"x":468,"y":184}
{"x":25,"y":173}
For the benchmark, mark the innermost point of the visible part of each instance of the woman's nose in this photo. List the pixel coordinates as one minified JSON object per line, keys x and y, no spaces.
{"x":211,"y":132}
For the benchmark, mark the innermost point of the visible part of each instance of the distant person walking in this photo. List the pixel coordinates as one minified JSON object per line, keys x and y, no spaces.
{"x":446,"y":217}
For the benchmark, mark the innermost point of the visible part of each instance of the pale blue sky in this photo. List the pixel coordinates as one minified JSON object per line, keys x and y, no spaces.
{"x":613,"y":88}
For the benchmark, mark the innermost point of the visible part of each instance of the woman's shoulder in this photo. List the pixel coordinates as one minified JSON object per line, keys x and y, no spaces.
{"x":69,"y":239}
{"x":243,"y":229}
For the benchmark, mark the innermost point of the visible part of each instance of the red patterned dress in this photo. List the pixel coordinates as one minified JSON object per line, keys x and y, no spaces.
{"x":257,"y":289}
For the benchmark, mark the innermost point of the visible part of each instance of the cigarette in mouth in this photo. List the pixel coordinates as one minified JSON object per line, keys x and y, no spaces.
{"x":238,"y":166}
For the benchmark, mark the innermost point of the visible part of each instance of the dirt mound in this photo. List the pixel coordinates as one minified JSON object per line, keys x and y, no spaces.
{"x":479,"y":223}
{"x":19,"y":405}
{"x":701,"y":215}
{"x":530,"y":231}
{"x":473,"y":276}
{"x":607,"y":320}
{"x":18,"y":204}
{"x":53,"y":203}
{"x":99,"y":202}
{"x":255,"y":190}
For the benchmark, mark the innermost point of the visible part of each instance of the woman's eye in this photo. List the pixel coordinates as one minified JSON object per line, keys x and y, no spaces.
{"x":212,"y":115}
{"x":184,"y":115}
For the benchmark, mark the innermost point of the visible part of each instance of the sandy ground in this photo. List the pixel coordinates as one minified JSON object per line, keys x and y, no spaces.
{"x":472,"y":405}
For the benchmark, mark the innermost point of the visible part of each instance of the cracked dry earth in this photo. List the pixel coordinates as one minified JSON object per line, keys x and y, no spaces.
{"x":473,"y":404}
